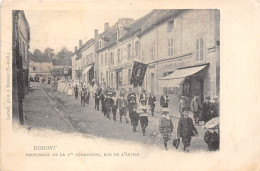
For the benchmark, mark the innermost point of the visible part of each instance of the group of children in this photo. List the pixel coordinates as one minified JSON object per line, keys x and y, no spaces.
{"x":185,"y":129}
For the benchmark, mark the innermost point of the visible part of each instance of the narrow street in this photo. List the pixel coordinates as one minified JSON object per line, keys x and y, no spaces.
{"x":45,"y":108}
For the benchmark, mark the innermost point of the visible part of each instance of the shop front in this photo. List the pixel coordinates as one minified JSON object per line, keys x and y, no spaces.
{"x":188,"y":81}
{"x":88,"y":74}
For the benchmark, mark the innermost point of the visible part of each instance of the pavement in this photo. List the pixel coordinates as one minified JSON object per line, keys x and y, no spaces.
{"x":46,"y":108}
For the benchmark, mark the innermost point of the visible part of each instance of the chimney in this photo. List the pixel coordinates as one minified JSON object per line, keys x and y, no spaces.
{"x":76,"y":49}
{"x":106,"y":26}
{"x":96,"y":33}
{"x":80,"y":43}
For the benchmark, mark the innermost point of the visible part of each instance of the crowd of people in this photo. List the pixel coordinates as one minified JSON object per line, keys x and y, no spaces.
{"x":134,"y":111}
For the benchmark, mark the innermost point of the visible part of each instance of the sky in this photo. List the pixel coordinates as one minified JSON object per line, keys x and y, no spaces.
{"x":56,"y":29}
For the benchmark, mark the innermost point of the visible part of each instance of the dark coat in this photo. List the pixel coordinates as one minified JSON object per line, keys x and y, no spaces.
{"x":215,"y":109}
{"x":186,"y":128}
{"x":102,"y":98}
{"x":212,"y":140}
{"x":97,"y":97}
{"x":109,"y":104}
{"x":164,"y":102}
{"x":152,"y":101}
{"x":206,"y":112}
{"x":143,"y":97}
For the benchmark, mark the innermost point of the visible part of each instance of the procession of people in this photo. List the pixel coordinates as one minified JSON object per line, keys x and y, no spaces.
{"x":133,"y":111}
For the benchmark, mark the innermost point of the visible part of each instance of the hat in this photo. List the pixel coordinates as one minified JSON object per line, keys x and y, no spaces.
{"x":215,"y":98}
{"x":109,"y":93}
{"x":166,"y":110}
{"x":176,"y":143}
{"x":183,"y":97}
{"x":213,"y":123}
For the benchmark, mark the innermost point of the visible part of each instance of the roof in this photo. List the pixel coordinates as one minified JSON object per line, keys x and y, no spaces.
{"x":83,"y":46}
{"x":159,"y":17}
{"x":137,"y":25}
{"x":110,"y":34}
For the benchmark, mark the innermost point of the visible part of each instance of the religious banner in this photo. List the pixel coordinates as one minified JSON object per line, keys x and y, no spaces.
{"x":138,"y":73}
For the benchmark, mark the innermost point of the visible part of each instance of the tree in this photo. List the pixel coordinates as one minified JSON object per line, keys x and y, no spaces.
{"x":37,"y":52}
{"x":64,"y":53}
{"x":49,"y":52}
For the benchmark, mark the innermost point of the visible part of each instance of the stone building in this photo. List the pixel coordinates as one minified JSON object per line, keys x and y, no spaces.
{"x":181,"y":49}
{"x":40,"y":66}
{"x":20,"y":63}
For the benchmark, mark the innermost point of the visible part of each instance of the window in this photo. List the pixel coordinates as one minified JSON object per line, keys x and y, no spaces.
{"x":152,"y":52}
{"x":106,"y":76}
{"x":91,"y":58}
{"x":106,"y":58}
{"x":87,"y":62}
{"x":112,"y":58}
{"x":136,"y":48}
{"x":143,"y":55}
{"x":84,"y":61}
{"x":129,"y":76}
{"x":170,"y":47}
{"x":112,"y":79}
{"x":101,"y":60}
{"x":34,"y":68}
{"x":100,"y":44}
{"x":199,"y":49}
{"x":170,"y":26}
{"x":120,"y":78}
{"x":119,"y":57}
{"x":128,"y":51}
{"x":117,"y":34}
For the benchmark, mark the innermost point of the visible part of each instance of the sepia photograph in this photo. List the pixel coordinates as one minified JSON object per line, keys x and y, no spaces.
{"x":152,"y":77}
{"x":129,"y":85}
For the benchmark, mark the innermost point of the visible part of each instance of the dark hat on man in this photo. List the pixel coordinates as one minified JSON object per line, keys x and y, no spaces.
{"x":176,"y":143}
{"x":185,"y":109}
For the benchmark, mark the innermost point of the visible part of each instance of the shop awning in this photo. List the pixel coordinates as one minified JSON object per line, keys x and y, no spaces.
{"x":177,"y":77}
{"x":85,"y":70}
{"x":171,"y":82}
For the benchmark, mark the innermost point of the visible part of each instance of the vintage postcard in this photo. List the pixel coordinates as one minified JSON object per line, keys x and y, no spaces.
{"x":127,"y":85}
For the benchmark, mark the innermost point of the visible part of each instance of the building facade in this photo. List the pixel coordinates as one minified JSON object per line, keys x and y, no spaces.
{"x":41,"y":66}
{"x":180,"y":47}
{"x":20,"y":63}
{"x":186,"y":41}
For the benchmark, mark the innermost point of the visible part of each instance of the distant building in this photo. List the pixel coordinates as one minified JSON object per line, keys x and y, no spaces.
{"x":41,"y":66}
{"x":20,"y":62}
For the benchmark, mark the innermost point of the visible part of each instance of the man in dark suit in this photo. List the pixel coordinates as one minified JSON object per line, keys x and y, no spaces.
{"x":152,"y":101}
{"x":215,"y":107}
{"x":143,"y":97}
{"x":206,"y":110}
{"x":164,"y":101}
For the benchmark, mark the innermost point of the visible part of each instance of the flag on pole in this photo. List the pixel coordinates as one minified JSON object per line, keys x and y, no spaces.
{"x":138,"y":73}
